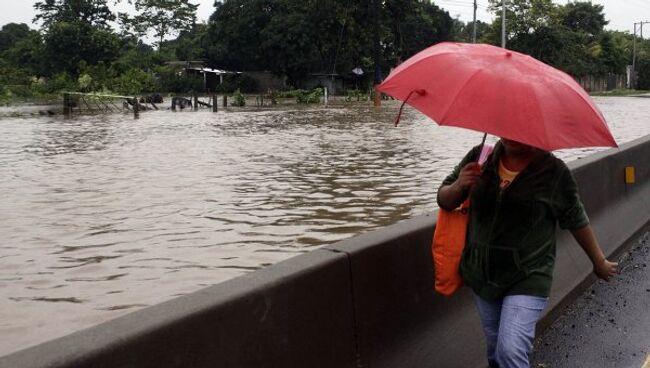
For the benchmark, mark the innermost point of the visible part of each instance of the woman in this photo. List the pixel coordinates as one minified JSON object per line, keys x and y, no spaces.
{"x":517,"y":198}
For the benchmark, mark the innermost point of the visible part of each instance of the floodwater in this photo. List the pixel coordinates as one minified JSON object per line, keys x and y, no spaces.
{"x":102,"y":215}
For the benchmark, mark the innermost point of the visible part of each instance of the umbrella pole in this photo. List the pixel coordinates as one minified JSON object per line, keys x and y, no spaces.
{"x":481,"y":147}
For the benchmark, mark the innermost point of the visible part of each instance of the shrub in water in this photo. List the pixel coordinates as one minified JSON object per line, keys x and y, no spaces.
{"x":238,"y":99}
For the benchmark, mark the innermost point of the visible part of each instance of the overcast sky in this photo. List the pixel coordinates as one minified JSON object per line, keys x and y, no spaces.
{"x":621,"y":14}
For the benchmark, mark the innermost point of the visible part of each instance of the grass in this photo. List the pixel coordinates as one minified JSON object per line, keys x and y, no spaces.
{"x":620,"y":92}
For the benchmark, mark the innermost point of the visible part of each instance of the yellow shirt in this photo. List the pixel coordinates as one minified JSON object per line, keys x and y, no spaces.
{"x":506,"y":176}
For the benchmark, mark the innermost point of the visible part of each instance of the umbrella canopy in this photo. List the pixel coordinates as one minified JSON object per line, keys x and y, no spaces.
{"x":500,"y":92}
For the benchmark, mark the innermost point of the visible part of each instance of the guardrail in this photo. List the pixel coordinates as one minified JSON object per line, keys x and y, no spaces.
{"x":363,"y":302}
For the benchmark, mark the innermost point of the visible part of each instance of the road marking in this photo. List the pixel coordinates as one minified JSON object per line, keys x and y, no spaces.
{"x":647,"y":362}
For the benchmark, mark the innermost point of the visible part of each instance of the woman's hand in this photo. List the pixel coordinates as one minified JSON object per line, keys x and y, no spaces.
{"x":469,"y":175}
{"x":605,"y":269}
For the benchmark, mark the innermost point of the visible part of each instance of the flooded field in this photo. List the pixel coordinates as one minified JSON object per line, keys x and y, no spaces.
{"x":101,"y":215}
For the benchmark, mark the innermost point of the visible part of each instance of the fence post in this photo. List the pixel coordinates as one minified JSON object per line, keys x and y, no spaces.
{"x":136,"y":108}
{"x":67,"y":106}
{"x":215,"y":106}
{"x":225,"y":100}
{"x":196,"y":101}
{"x":377,"y":97}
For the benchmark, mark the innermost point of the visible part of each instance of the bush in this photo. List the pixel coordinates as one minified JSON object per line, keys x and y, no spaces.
{"x":18,"y":90}
{"x":59,"y":82}
{"x":308,"y":97}
{"x":238,"y":99}
{"x":134,"y":81}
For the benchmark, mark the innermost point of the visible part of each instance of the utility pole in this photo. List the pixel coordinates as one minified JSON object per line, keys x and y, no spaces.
{"x":376,"y":52}
{"x":633,"y":84}
{"x":503,"y":23}
{"x":474,"y":23}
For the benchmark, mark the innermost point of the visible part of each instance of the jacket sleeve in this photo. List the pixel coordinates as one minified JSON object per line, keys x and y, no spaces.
{"x":472,"y":155}
{"x":568,"y":207}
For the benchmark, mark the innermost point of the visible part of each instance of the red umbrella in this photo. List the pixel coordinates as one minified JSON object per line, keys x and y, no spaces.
{"x":500,"y":92}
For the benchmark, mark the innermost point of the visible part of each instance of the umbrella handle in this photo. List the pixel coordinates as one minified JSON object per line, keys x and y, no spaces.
{"x":420,"y":92}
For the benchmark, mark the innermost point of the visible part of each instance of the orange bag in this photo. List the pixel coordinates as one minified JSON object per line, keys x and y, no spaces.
{"x":449,"y":241}
{"x":447,"y":248}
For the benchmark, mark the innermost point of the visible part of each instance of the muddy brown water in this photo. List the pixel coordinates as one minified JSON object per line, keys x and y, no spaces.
{"x":102,"y":215}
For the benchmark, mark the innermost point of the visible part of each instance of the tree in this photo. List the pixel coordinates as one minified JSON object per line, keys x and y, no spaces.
{"x":94,"y":13}
{"x":71,"y":46}
{"x":523,"y":17}
{"x":28,"y":54}
{"x":570,"y":37}
{"x":12,"y":33}
{"x":190,"y":45}
{"x":163,"y":17}
{"x":584,"y":17}
{"x":299,"y":37}
{"x":463,"y":32}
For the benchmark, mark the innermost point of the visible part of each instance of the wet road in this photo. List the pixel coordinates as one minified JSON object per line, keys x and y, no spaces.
{"x":608,"y":326}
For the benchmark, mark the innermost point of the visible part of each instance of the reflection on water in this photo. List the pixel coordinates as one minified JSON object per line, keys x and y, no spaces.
{"x":102,"y":215}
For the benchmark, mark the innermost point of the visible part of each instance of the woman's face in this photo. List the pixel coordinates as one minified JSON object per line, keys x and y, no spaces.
{"x":516,"y":148}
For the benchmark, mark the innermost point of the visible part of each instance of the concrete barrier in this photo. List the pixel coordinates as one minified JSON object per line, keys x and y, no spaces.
{"x":363,"y":302}
{"x":294,"y":314}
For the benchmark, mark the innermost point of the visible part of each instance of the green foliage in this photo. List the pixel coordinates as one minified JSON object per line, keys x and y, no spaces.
{"x":133,"y":82}
{"x":69,"y":46}
{"x":296,"y":37}
{"x":463,"y":32}
{"x":27,"y":54}
{"x":12,"y":33}
{"x":309,"y":97}
{"x":355,"y":95}
{"x":238,"y":99}
{"x":77,"y":48}
{"x":190,"y":45}
{"x":85,"y":83}
{"x":570,"y":37}
{"x":93,"y":13}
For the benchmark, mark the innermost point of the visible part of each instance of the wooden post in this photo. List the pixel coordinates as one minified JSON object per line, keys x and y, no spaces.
{"x":136,"y":108}
{"x":67,"y":105}
{"x":196,"y":101}
{"x":173,"y":103}
{"x":215,"y":106}
{"x":377,"y":97}
{"x":225,"y":100}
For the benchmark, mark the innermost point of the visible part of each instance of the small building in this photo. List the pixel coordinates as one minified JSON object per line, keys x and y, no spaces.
{"x":212,"y":78}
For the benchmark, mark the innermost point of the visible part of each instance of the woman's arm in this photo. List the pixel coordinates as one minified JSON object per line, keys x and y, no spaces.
{"x":603,"y":268}
{"x":452,"y":195}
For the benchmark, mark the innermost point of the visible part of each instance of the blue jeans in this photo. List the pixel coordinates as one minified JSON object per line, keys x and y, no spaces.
{"x":509,"y":327}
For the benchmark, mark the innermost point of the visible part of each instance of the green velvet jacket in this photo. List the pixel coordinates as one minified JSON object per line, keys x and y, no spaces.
{"x":510,"y":246}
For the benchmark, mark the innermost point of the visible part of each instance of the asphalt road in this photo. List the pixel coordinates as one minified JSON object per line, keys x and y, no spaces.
{"x":608,"y":326}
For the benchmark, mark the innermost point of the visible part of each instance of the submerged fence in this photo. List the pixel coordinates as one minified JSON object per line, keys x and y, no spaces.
{"x":77,"y":102}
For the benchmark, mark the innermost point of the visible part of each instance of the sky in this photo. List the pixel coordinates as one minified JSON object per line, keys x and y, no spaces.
{"x":621,"y":14}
